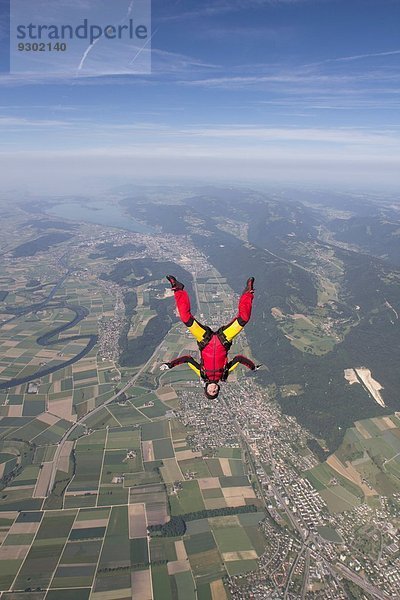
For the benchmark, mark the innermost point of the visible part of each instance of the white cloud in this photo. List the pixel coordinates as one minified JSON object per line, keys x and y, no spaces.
{"x":293,"y":77}
{"x":150,"y":134}
{"x":166,"y":62}
{"x":220,"y":7}
{"x":358,"y":57}
{"x":348,"y":136}
{"x":22,"y":123}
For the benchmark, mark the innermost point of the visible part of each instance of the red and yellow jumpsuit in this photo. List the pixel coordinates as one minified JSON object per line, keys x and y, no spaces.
{"x":213,"y":345}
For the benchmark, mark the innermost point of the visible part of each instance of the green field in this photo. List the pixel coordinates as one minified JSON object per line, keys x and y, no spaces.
{"x":75,"y":594}
{"x":200,"y":542}
{"x":155,"y":431}
{"x":373,"y":452}
{"x":325,"y":475}
{"x":161,"y":549}
{"x":170,"y":471}
{"x":330,"y":534}
{"x":207,"y":566}
{"x":89,"y":458}
{"x":46,"y":550}
{"x":123,"y":438}
{"x":163,"y":449}
{"x":115,"y":553}
{"x":229,"y":453}
{"x":214,"y":466}
{"x":194,"y":465}
{"x":238,"y":567}
{"x":101,"y":420}
{"x":161,"y":583}
{"x":139,"y":553}
{"x":185,"y":586}
{"x":232,"y":538}
{"x":126,"y":414}
{"x":188,"y":499}
{"x":307,"y":333}
{"x":105,"y":494}
{"x":339,"y":499}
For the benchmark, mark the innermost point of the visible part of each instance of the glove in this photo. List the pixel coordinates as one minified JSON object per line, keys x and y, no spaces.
{"x":164,"y":367}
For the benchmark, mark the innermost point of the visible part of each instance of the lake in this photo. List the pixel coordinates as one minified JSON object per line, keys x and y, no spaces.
{"x":100,"y":213}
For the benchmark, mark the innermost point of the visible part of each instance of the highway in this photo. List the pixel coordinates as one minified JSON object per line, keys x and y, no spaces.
{"x":291,"y":572}
{"x":306,"y":575}
{"x":360,"y":581}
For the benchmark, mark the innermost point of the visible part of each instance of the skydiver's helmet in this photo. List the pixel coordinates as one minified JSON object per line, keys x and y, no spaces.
{"x":211,"y":389}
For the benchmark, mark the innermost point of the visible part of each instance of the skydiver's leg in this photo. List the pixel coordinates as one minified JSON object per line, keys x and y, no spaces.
{"x":183,"y":305}
{"x":233,"y":328}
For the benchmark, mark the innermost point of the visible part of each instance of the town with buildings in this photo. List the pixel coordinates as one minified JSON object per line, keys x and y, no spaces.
{"x":310,"y":548}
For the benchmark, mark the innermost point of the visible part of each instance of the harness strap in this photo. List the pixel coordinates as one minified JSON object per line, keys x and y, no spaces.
{"x":223,"y":339}
{"x":206,"y":338}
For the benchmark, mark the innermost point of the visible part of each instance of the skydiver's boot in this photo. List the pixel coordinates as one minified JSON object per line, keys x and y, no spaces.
{"x":249,"y":285}
{"x":175,"y":285}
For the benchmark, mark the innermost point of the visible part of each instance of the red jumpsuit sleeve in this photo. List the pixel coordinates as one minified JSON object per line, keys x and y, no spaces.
{"x":182,"y":360}
{"x":246,"y":362}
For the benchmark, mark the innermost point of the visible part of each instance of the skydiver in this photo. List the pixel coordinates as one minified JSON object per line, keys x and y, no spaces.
{"x":213,"y":345}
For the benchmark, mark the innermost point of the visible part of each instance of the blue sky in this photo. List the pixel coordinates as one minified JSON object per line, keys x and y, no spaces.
{"x":240,"y":90}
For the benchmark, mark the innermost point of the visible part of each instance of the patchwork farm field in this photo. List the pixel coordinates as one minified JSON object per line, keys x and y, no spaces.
{"x":92,"y":454}
{"x":367,"y":464}
{"x":99,"y":539}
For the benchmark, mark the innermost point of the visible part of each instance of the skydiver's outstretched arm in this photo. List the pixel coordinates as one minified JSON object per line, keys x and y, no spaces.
{"x":241,"y":360}
{"x":244,"y":312}
{"x":181,"y":360}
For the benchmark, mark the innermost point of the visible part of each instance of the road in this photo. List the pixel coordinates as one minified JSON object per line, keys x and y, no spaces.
{"x":360,"y":581}
{"x":291,"y":571}
{"x":196,"y":291}
{"x":306,"y":574}
{"x":90,"y":414}
{"x":296,"y":525}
